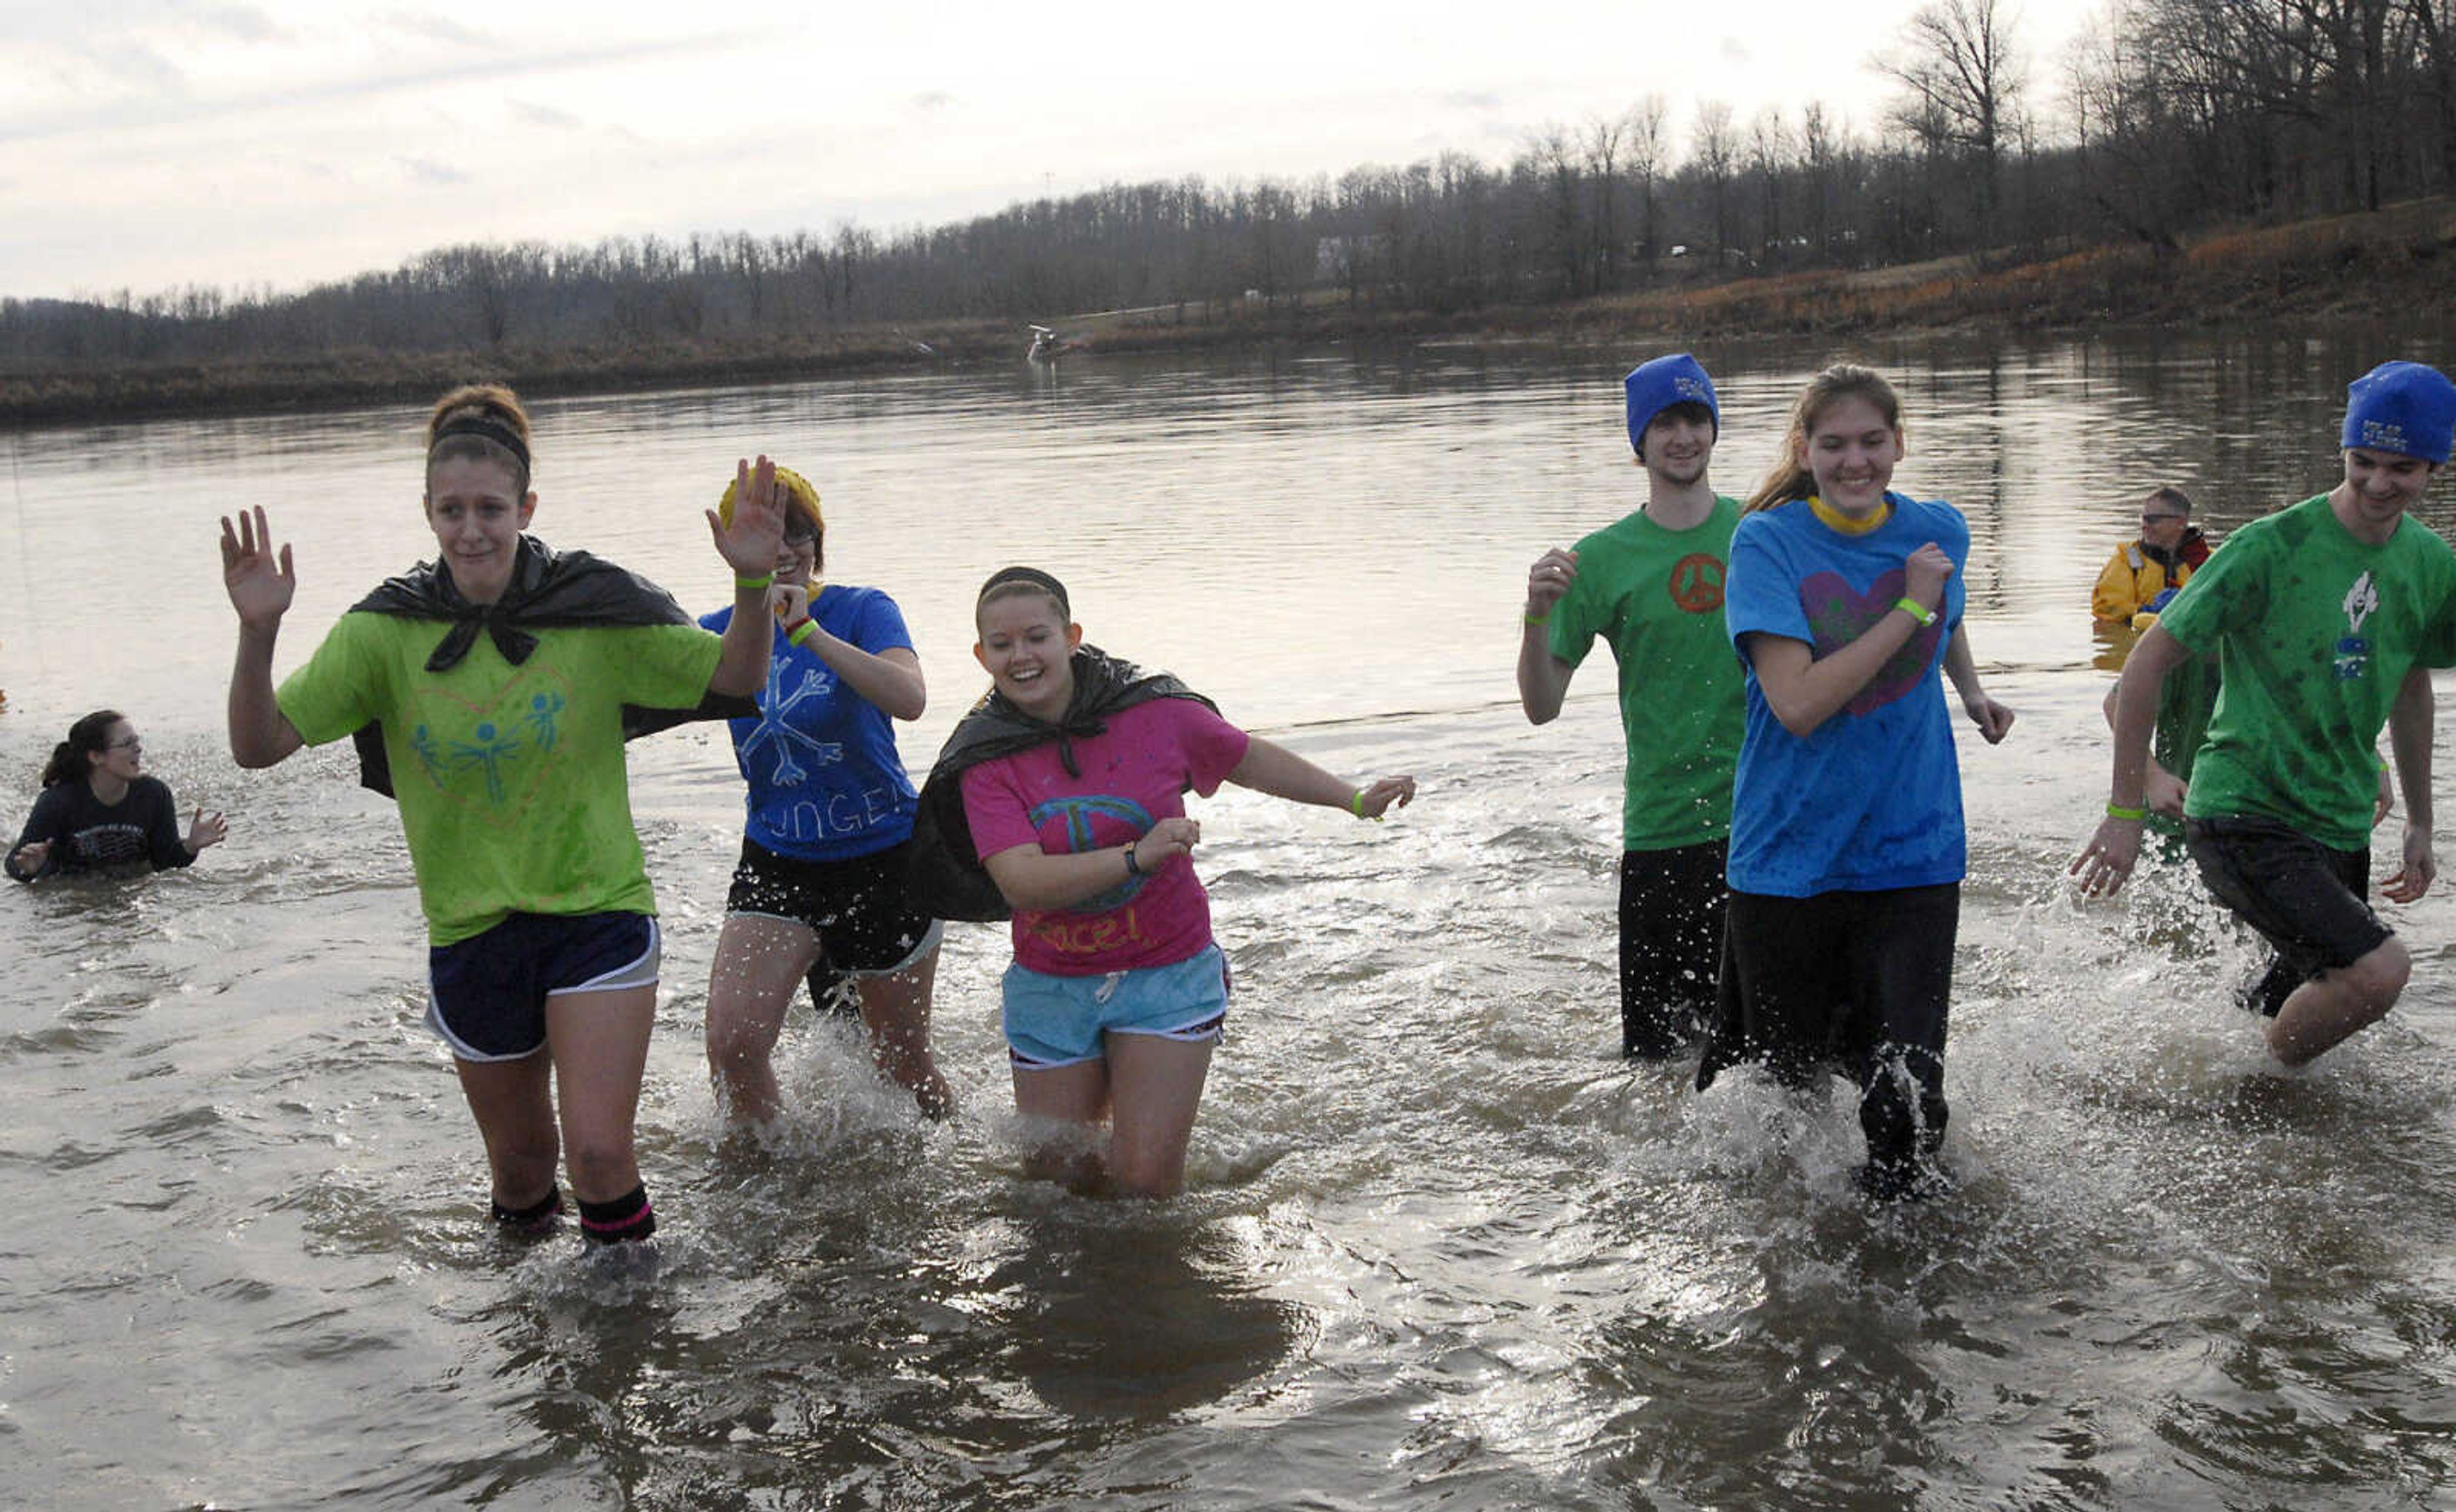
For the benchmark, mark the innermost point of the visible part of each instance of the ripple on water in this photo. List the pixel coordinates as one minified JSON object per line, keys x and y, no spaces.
{"x":1440,"y":1248}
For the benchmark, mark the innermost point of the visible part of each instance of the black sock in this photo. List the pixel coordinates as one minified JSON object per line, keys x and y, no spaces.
{"x":625,"y":1218}
{"x":527,"y":1222}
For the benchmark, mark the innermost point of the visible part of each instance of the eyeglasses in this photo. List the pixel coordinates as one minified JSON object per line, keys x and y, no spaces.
{"x":131,"y":742}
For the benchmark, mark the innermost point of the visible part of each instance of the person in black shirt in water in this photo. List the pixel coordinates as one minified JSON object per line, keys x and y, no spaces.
{"x":99,"y":810}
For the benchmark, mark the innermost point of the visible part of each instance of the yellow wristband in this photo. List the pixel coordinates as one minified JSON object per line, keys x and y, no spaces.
{"x":2133,"y":815}
{"x":801,"y":632}
{"x":762,"y":580}
{"x":1356,"y":803}
{"x":1915,"y":610}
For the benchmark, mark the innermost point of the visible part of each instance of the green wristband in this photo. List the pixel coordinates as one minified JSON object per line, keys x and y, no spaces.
{"x":1915,"y":610}
{"x":2115,"y":810}
{"x":801,"y":632}
{"x":1356,"y":803}
{"x":1539,"y":619}
{"x":764,"y":581}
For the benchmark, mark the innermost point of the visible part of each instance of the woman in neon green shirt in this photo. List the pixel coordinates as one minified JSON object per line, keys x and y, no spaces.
{"x":496,"y":679}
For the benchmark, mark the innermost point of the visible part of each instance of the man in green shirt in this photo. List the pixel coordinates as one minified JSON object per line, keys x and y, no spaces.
{"x":1651,"y":585}
{"x":2325,"y":618}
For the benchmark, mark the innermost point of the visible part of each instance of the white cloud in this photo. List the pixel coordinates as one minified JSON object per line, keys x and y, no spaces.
{"x":297,"y":140}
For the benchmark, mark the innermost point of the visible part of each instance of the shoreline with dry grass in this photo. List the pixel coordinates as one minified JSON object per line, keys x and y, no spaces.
{"x":2394,"y":263}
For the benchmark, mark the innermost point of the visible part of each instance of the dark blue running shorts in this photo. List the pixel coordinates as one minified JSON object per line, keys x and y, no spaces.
{"x":486,"y":994}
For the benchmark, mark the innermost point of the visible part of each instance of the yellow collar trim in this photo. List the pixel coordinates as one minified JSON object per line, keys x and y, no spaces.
{"x":1843,"y":523}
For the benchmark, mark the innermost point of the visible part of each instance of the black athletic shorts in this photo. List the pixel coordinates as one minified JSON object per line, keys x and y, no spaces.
{"x":856,"y":906}
{"x":2306,"y":899}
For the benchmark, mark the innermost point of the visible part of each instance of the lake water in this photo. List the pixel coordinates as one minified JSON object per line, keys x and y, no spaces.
{"x":1440,"y":1248}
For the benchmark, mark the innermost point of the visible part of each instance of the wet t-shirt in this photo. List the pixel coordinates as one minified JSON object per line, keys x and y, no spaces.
{"x":2313,"y":630}
{"x":1656,"y":596}
{"x":513,"y":792}
{"x":1869,"y":800}
{"x":90,"y":836}
{"x":1133,"y":774}
{"x":826,"y":781}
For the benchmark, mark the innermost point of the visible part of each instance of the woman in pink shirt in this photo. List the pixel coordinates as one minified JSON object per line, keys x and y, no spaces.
{"x":1068,"y":783}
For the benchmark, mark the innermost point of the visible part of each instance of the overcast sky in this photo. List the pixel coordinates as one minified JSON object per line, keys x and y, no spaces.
{"x":152,"y":143}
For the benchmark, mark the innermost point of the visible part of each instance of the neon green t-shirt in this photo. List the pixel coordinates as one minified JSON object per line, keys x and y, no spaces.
{"x":2314,"y":630}
{"x":1656,"y":596}
{"x":513,"y":791}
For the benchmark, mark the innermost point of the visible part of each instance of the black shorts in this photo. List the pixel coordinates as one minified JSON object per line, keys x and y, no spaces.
{"x":856,"y":906}
{"x":2306,"y":899}
{"x":1671,"y":906}
{"x":486,"y":995}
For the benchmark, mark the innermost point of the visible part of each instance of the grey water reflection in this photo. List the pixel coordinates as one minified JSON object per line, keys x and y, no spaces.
{"x":1439,"y":1248}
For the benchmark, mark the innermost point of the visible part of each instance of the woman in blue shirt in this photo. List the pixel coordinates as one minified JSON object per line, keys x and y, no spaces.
{"x":830,"y":817}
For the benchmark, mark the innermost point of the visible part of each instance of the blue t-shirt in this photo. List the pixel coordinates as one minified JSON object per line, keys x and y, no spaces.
{"x":825,"y":780}
{"x":1871,"y":798}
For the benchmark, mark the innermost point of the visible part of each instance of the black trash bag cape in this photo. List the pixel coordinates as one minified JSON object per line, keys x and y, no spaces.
{"x":944,"y":872}
{"x":550,"y":590}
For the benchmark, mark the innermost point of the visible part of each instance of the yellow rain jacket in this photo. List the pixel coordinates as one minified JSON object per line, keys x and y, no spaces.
{"x":2130,"y":580}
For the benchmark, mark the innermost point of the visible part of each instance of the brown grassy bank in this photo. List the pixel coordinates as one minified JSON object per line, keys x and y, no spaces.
{"x":2397,"y":260}
{"x":2388,"y":263}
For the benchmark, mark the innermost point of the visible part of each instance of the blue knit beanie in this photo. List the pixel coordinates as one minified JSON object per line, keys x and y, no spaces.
{"x":1655,"y":386}
{"x":2402,"y":407}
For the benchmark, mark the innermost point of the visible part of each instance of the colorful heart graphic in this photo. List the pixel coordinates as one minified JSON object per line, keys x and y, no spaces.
{"x":1839,"y":614}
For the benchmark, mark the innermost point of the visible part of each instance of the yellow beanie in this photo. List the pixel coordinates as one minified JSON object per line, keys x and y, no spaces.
{"x":797,"y":489}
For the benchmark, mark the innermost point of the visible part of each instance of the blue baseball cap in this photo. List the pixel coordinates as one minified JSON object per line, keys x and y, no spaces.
{"x":2402,"y":407}
{"x":1653,"y":387}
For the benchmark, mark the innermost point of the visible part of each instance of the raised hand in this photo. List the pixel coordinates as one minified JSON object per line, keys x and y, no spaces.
{"x":748,"y":542}
{"x":1923,"y":574}
{"x":1548,"y":581}
{"x":260,"y":582}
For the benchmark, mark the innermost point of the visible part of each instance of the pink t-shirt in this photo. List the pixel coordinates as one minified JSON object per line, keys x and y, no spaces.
{"x":1135,"y":774}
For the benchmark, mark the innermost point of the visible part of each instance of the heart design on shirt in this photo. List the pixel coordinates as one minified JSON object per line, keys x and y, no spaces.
{"x":1839,"y":614}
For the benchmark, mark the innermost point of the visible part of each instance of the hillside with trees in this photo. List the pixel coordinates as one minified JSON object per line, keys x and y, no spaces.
{"x":2177,"y":127}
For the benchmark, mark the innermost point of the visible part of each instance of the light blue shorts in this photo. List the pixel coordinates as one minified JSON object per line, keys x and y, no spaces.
{"x":1053,"y":1021}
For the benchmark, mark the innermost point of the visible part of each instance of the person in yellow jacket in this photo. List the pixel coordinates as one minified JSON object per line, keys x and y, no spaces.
{"x":2170,"y":547}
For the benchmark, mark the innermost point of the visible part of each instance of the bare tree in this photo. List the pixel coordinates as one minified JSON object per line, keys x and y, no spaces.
{"x":1713,"y":153}
{"x":1552,"y":161}
{"x":1647,"y":135}
{"x":1604,"y":142}
{"x":1821,"y":151}
{"x":1772,"y":152}
{"x":1963,"y":84}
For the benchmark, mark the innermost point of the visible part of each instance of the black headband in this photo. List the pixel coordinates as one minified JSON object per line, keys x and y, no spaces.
{"x":485,"y":426}
{"x":1035,"y":577}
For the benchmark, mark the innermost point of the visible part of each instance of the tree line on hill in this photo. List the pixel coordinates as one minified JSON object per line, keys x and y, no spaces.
{"x":2169,"y":115}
